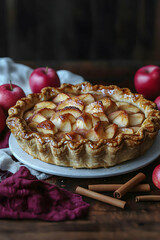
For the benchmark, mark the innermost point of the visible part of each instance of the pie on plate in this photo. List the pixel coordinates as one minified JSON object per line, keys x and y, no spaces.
{"x":84,"y":125}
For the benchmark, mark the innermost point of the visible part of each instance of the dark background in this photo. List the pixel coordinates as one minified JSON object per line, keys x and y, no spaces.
{"x":110,"y":34}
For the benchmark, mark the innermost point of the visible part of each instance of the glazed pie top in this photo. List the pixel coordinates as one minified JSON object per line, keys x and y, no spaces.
{"x":80,"y":116}
{"x":74,"y":115}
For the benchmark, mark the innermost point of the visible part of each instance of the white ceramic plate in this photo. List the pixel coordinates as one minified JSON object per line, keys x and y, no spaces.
{"x":123,"y":168}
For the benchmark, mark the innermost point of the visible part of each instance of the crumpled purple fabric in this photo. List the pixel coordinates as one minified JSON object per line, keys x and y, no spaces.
{"x":22,"y":196}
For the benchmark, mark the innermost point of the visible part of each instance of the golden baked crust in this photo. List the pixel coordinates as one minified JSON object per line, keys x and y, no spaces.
{"x":118,"y":135}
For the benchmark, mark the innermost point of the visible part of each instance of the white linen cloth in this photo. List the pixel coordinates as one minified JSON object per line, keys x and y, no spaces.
{"x":19,"y":75}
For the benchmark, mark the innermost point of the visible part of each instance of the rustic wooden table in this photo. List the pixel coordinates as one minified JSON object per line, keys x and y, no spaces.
{"x":103,"y":221}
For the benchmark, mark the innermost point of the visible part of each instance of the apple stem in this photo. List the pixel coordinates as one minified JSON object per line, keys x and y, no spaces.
{"x":11,"y":87}
{"x":46,"y":70}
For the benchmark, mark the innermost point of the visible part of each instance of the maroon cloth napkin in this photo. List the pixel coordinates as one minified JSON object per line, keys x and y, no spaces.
{"x":23,"y":196}
{"x":4,"y":138}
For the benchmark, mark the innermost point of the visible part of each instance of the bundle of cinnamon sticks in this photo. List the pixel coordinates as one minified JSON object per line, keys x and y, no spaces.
{"x":119,"y":190}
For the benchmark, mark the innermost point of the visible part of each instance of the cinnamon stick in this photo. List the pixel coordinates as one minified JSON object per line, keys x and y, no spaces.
{"x":100,"y":197}
{"x":121,"y":191}
{"x":114,"y":187}
{"x":147,"y":198}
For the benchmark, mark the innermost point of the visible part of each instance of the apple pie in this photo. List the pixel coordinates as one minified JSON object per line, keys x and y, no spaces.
{"x":84,"y":125}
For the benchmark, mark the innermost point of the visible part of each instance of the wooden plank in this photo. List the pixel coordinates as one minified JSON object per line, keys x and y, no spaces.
{"x":79,"y":30}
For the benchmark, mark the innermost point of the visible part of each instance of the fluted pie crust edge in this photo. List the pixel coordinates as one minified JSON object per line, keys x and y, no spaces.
{"x":85,"y":153}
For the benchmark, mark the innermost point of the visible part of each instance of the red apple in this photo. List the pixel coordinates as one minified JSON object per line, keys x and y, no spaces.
{"x":43,"y":77}
{"x":9,"y":95}
{"x":157,"y":101}
{"x":156,"y":176}
{"x":147,"y":81}
{"x":2,"y":120}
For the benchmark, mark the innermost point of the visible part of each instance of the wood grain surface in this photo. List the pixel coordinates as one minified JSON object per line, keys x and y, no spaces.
{"x":79,"y":30}
{"x":103,"y":221}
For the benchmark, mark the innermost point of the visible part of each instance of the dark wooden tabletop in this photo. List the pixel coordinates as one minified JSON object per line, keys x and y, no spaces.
{"x":103,"y":221}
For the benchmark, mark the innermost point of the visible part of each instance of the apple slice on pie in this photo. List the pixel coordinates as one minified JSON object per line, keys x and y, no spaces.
{"x":86,"y":98}
{"x":136,"y":119}
{"x":64,"y":122}
{"x":46,"y":127}
{"x":61,"y":97}
{"x":119,"y":117}
{"x":129,"y":108}
{"x":72,"y":103}
{"x":44,"y":104}
{"x":84,"y":122}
